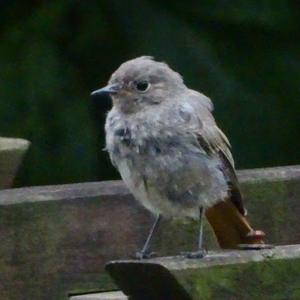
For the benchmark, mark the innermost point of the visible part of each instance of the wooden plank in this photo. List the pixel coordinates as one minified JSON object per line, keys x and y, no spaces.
{"x":12,"y":151}
{"x":257,"y":274}
{"x":101,"y":296}
{"x":58,"y":238}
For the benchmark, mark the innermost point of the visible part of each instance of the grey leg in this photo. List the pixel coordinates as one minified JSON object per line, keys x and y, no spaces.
{"x":144,"y":253}
{"x":200,"y":238}
{"x":200,"y":253}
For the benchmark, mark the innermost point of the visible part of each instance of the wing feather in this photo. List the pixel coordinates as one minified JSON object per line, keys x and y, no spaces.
{"x":215,"y":143}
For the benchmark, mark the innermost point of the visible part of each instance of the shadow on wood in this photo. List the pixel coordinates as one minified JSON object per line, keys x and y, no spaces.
{"x":146,"y":280}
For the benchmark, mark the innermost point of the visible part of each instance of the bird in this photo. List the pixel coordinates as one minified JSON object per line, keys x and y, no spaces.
{"x":164,"y":141}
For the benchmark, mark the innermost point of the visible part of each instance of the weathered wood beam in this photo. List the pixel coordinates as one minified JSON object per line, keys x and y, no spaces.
{"x":117,"y":295}
{"x":12,"y":151}
{"x":58,"y":238}
{"x":264,"y":274}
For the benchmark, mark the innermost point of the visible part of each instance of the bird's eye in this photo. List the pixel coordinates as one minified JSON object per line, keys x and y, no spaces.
{"x":142,"y":86}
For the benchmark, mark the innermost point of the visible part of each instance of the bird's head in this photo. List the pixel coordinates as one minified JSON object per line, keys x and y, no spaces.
{"x":140,"y":83}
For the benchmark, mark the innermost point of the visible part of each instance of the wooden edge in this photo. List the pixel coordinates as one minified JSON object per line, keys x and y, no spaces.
{"x":139,"y":279}
{"x":109,"y":295}
{"x":117,"y":188}
{"x":155,"y":277}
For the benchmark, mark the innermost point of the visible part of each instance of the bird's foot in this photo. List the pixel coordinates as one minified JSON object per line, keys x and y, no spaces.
{"x":197,"y":254}
{"x":144,"y":254}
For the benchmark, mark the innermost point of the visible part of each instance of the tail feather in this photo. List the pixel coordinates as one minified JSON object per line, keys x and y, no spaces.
{"x":231,"y":227}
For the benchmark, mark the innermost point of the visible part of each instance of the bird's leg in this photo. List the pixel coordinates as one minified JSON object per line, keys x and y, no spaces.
{"x":144,"y":253}
{"x":201,"y":252}
{"x":200,"y":237}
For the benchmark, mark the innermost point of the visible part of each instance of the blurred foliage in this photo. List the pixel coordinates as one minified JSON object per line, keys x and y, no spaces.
{"x":245,"y":55}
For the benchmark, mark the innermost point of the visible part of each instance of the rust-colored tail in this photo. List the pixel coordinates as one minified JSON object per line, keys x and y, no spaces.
{"x":231,"y":227}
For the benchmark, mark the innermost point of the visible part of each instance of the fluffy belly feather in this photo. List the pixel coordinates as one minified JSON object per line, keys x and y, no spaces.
{"x":174,"y":185}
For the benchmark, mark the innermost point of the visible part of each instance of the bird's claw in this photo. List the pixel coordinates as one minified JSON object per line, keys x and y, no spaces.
{"x":197,"y":254}
{"x":144,"y":255}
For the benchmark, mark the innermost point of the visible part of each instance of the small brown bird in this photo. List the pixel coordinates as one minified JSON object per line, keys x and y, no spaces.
{"x":163,"y":139}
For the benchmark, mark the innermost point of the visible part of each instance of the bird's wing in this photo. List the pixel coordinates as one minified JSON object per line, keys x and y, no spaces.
{"x":227,"y":217}
{"x":215,"y":143}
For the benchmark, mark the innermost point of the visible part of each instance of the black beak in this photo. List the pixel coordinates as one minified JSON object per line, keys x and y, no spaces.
{"x":107,"y":90}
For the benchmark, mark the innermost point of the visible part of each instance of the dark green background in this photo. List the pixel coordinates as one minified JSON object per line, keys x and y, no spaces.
{"x":245,"y":55}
